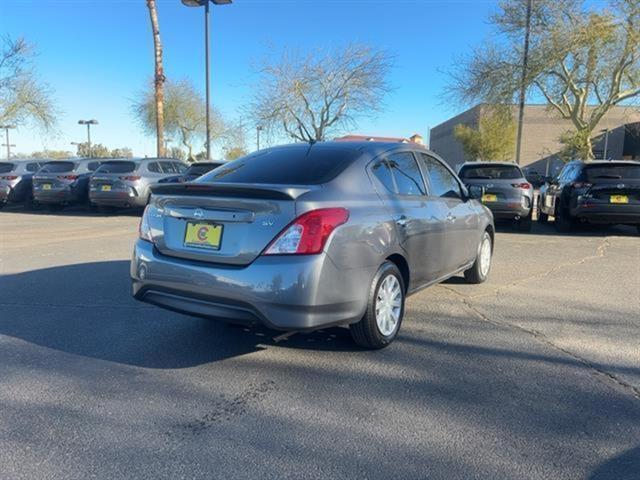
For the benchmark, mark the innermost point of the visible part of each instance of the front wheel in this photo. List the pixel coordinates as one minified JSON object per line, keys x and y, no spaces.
{"x":524,"y":223}
{"x":385,"y":309}
{"x":479,"y":271}
{"x":563,"y":221}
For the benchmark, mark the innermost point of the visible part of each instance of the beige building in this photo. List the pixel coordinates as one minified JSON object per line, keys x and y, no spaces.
{"x":541,"y":136}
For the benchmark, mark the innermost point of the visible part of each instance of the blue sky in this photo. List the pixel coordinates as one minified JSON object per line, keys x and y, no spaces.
{"x":97,"y":54}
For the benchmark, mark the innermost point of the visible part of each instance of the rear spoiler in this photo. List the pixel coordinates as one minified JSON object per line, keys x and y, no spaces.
{"x":241,"y":190}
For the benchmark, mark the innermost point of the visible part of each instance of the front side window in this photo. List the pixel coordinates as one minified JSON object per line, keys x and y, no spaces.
{"x":442,"y":182}
{"x":167,"y":167}
{"x":406,"y":174}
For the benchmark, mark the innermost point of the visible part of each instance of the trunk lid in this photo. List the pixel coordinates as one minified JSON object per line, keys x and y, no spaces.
{"x":249,"y":217}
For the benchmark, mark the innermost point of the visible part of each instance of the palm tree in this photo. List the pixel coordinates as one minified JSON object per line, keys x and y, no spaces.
{"x":159,"y":77}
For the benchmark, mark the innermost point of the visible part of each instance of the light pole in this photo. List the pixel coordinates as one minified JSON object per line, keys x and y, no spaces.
{"x":205,"y":4}
{"x":523,"y":86}
{"x":606,"y":143}
{"x":88,"y":123}
{"x":258,"y":130}
{"x":8,"y":144}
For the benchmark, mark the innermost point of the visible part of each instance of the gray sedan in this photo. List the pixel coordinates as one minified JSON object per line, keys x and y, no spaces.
{"x":306,"y":236}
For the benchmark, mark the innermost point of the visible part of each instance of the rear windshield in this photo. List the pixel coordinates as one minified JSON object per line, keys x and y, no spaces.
{"x":202,"y":169}
{"x":117,"y":167}
{"x":493,"y":172}
{"x":58,"y":167}
{"x":613,"y":172}
{"x":6,"y":167}
{"x":303,"y":165}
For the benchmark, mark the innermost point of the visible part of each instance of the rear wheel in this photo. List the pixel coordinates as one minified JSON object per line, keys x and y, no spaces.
{"x":479,"y":271}
{"x":563,"y":220}
{"x":525,"y":223}
{"x":385,"y":309}
{"x":542,"y":217}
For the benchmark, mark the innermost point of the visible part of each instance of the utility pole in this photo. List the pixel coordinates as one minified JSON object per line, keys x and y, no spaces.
{"x":8,"y":144}
{"x":258,"y":130}
{"x":523,"y":86}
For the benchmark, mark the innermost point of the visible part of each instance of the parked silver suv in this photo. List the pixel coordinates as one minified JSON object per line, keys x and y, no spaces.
{"x":306,"y":236}
{"x":63,"y":182}
{"x":15,"y":181}
{"x":508,"y":194}
{"x":126,"y":182}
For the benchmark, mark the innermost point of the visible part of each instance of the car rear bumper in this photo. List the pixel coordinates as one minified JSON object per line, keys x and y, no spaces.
{"x":608,"y":213}
{"x":281,"y":292}
{"x":508,"y":210}
{"x":58,"y":196}
{"x":117,"y":198}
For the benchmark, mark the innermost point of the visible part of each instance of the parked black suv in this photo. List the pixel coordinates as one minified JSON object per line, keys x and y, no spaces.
{"x":603,"y":192}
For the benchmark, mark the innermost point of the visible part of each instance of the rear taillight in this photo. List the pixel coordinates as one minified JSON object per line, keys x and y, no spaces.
{"x":144,"y":230}
{"x":68,"y":177}
{"x":130,"y":178}
{"x":581,"y":185}
{"x":523,"y":185}
{"x":308,"y":233}
{"x":9,"y":177}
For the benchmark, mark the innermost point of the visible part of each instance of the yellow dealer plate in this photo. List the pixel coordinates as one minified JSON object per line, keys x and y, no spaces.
{"x":489,"y":197}
{"x":619,"y":199}
{"x":46,"y":186}
{"x":203,"y":235}
{"x":106,"y":188}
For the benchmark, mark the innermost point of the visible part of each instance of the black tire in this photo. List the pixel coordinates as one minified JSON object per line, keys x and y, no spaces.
{"x":563,"y":220}
{"x":55,"y":207}
{"x":28,"y":204}
{"x":475,"y":273}
{"x":366,"y":332}
{"x":525,"y":223}
{"x":542,"y":217}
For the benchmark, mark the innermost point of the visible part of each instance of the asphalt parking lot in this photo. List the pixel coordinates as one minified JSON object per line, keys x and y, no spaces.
{"x":533,"y":375}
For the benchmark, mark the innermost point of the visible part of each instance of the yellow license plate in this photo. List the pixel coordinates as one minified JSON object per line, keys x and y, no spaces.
{"x":203,"y":235}
{"x":106,"y":188}
{"x":489,"y":197}
{"x":619,"y":199}
{"x":46,"y":186}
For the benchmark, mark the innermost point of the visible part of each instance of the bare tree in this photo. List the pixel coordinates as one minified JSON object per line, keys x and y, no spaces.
{"x":582,"y":62}
{"x":24,"y":98}
{"x":159,"y":77}
{"x":310,"y":97}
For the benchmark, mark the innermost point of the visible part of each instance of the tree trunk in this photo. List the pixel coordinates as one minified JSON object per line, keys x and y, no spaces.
{"x":159,"y":77}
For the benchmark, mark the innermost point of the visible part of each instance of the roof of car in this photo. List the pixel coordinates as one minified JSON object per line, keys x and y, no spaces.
{"x":489,"y":163}
{"x":608,"y":162}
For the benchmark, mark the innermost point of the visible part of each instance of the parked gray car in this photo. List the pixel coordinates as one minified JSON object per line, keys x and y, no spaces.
{"x":63,"y":182}
{"x":15,"y":181}
{"x":508,"y":194}
{"x":306,"y":236}
{"x":126,"y":182}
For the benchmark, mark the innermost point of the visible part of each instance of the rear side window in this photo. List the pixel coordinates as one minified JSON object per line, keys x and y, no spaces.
{"x":441,"y":180}
{"x":406,"y":174}
{"x":154,"y":167}
{"x":382,"y":171}
{"x":116,"y":167}
{"x":612,"y":172}
{"x":493,"y":172}
{"x":7,"y":167}
{"x":33,"y":167}
{"x":295,"y":165}
{"x":58,"y":167}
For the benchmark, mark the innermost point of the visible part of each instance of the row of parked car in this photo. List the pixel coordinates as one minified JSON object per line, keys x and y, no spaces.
{"x":597,"y":192}
{"x":98,"y":183}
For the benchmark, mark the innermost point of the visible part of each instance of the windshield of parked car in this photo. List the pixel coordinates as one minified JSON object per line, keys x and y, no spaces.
{"x":614,"y":172}
{"x":6,"y":167}
{"x":201,"y":169}
{"x":490,"y":172}
{"x":117,"y":167}
{"x":297,"y":165}
{"x":58,"y":167}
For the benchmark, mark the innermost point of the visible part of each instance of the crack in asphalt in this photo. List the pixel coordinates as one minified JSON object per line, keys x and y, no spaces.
{"x":600,"y":252}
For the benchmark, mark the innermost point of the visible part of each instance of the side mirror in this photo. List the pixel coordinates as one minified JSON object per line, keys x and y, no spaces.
{"x":475,"y":192}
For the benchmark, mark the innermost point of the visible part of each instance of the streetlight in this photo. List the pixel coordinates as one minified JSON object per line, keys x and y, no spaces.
{"x":167,"y":141}
{"x":606,"y":143}
{"x":88,"y":123}
{"x":258,"y":130}
{"x":8,"y":144}
{"x":205,"y":4}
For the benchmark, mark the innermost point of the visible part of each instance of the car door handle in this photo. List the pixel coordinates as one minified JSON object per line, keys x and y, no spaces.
{"x":401,"y":220}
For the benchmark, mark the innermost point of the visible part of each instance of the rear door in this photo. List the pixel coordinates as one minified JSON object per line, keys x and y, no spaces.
{"x":461,"y":217}
{"x":419,"y":222}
